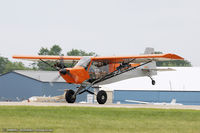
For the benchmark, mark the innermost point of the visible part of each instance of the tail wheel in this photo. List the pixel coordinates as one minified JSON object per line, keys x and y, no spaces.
{"x":69,"y":96}
{"x":101,"y":97}
{"x":153,"y":82}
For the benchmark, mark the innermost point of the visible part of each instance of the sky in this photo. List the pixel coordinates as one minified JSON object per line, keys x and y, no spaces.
{"x":106,"y":27}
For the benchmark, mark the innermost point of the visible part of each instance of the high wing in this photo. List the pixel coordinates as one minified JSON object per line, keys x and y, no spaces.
{"x":108,"y":59}
{"x":138,"y":58}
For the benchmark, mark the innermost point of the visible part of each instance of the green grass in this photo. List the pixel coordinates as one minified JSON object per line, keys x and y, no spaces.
{"x":100,"y":120}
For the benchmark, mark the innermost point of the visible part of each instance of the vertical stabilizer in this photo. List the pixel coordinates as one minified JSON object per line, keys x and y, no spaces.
{"x":152,"y":65}
{"x":149,"y":50}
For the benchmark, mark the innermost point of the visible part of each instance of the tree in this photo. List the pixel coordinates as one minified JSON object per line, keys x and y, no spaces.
{"x":76,"y":52}
{"x":3,"y":62}
{"x":173,"y":63}
{"x":54,"y":50}
{"x":7,"y":66}
{"x":43,"y":51}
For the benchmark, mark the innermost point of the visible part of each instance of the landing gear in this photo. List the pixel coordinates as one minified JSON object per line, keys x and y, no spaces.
{"x":70,"y":97}
{"x":153,"y":82}
{"x":101,"y":97}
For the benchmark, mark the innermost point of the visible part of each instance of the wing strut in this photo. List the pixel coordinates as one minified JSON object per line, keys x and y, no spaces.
{"x":49,"y":65}
{"x":117,"y":72}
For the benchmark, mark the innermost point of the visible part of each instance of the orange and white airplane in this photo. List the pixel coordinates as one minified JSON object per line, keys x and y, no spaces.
{"x":93,"y":71}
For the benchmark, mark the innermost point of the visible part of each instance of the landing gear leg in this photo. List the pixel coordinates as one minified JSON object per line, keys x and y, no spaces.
{"x":101,"y":97}
{"x":153,"y":82}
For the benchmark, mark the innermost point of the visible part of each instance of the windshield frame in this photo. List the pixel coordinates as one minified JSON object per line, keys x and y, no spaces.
{"x":84,"y":62}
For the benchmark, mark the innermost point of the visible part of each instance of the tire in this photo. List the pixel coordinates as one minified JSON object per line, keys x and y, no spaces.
{"x":153,"y":82}
{"x":101,"y":97}
{"x":68,"y":96}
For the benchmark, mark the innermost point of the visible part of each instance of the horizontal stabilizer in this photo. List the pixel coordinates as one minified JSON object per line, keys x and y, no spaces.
{"x":159,"y":69}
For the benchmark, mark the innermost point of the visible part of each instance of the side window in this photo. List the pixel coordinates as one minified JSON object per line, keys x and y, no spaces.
{"x":98,"y":70}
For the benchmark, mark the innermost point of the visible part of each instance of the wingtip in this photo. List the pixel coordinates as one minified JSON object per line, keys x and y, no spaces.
{"x":174,"y":57}
{"x":14,"y":56}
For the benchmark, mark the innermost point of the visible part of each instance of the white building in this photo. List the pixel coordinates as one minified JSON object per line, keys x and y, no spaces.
{"x":181,"y":84}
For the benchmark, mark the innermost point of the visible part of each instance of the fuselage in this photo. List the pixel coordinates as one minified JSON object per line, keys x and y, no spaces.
{"x":87,"y":70}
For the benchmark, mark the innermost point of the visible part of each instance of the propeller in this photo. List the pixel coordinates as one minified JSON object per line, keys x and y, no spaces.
{"x":58,"y":66}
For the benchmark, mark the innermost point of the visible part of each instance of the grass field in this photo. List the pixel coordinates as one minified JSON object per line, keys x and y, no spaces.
{"x":99,"y":120}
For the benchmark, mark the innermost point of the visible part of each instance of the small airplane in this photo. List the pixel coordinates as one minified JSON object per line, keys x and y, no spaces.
{"x":173,"y":102}
{"x":94,"y":71}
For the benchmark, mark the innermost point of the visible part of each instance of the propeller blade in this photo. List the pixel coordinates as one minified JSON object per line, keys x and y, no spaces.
{"x":62,"y":62}
{"x":54,"y":80}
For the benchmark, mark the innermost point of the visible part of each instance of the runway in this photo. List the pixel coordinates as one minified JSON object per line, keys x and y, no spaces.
{"x":192,"y":107}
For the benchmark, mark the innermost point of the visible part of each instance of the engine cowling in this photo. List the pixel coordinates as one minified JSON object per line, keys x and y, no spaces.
{"x":75,"y":75}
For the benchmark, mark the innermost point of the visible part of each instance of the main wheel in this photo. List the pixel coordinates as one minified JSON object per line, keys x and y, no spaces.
{"x":101,"y":97}
{"x":69,"y":96}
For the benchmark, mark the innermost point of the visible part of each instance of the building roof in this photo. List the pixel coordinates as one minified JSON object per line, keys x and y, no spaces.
{"x":183,"y":79}
{"x":44,"y":76}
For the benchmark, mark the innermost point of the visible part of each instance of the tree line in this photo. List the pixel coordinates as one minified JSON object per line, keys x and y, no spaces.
{"x":6,"y":65}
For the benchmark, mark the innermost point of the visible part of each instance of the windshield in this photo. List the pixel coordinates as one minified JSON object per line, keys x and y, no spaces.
{"x":84,"y":62}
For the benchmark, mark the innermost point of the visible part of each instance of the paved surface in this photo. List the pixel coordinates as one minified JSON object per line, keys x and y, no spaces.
{"x":97,"y":105}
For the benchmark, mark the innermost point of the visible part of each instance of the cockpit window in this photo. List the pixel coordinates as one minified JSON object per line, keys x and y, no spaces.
{"x":84,"y":62}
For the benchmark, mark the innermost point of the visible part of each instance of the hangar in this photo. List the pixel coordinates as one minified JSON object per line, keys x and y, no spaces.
{"x":181,"y":84}
{"x":23,"y":84}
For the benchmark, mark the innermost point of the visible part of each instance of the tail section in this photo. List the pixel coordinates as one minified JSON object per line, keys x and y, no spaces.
{"x":152,"y":66}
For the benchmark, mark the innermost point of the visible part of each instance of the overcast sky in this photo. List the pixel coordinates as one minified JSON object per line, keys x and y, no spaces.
{"x":107,"y":27}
